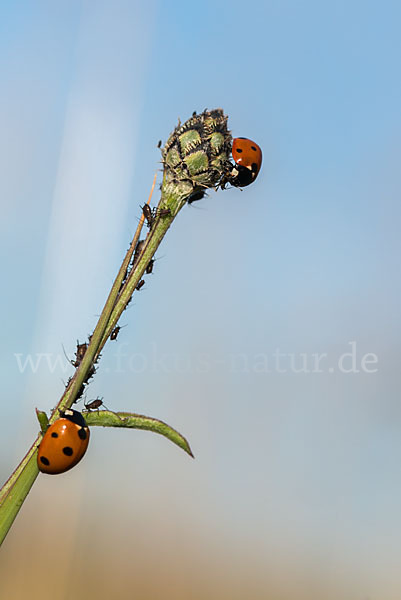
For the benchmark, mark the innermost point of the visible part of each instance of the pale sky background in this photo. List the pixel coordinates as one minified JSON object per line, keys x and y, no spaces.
{"x":295,"y":471}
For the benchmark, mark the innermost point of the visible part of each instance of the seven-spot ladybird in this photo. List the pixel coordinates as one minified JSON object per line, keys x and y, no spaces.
{"x":248,"y":158}
{"x":64,"y":443}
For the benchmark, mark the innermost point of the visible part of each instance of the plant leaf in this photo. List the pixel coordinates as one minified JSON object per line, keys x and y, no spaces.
{"x":43,"y":420}
{"x":107,"y":418}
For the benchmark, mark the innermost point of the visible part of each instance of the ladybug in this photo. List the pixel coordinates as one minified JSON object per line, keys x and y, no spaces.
{"x":64,"y":443}
{"x":248,"y":158}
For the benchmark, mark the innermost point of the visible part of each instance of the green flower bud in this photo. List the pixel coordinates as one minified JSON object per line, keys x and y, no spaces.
{"x":196,"y":155}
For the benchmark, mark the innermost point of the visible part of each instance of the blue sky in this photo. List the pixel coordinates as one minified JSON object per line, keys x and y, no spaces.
{"x":304,"y":261}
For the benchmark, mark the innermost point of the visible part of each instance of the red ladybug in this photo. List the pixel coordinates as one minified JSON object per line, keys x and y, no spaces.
{"x":248,"y":158}
{"x":64,"y":443}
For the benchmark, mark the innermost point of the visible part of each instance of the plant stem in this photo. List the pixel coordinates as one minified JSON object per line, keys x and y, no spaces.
{"x":16,"y":488}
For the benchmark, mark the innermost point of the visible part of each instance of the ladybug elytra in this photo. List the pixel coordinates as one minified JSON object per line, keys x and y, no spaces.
{"x":64,"y":443}
{"x":248,"y":160}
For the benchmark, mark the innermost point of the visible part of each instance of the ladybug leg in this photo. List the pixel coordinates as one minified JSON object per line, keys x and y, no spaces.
{"x":229,"y":177}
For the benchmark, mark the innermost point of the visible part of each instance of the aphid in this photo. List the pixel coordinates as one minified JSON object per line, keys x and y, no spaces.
{"x":140,"y":285}
{"x":148,"y":214}
{"x":94,"y":404}
{"x":196,"y":196}
{"x":80,"y":392}
{"x":115,"y":332}
{"x":91,"y":373}
{"x":138,"y":250}
{"x":79,"y":354}
{"x":162,"y":212}
{"x":149,"y":268}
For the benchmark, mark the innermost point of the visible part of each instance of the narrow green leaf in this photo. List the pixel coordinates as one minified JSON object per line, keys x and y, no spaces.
{"x":43,"y":420}
{"x":107,"y":418}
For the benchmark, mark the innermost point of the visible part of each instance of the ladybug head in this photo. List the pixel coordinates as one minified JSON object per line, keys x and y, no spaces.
{"x":241,"y":176}
{"x":74,"y":416}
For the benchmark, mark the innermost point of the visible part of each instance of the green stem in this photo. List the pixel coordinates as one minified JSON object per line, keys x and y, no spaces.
{"x":173,"y":203}
{"x":16,"y":488}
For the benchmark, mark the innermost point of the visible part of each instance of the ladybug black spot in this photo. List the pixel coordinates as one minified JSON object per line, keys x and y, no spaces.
{"x":68,"y":451}
{"x":45,"y":461}
{"x":253,"y":148}
{"x":82,"y":434}
{"x":54,"y":434}
{"x":239,"y":150}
